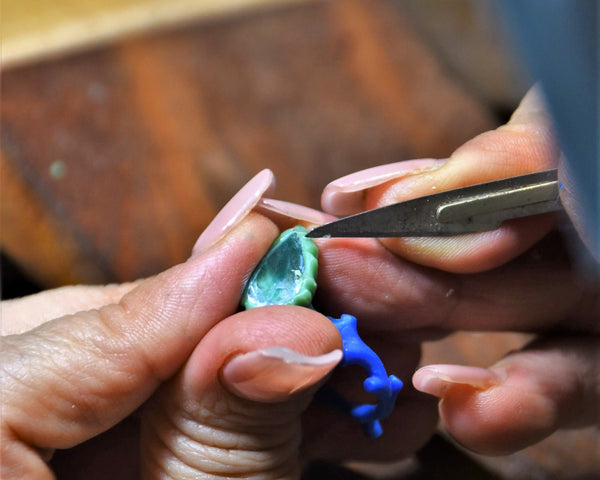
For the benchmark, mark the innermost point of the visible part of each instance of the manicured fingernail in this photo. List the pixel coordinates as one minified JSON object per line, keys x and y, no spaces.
{"x":275,"y":373}
{"x":435,"y":379}
{"x":345,"y":196}
{"x":235,"y":210}
{"x":285,"y":212}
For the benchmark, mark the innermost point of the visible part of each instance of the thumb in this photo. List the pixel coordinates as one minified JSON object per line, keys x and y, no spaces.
{"x":76,"y":376}
{"x":234,"y":410}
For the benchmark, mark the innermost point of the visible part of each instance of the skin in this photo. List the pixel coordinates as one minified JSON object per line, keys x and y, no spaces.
{"x":108,"y":360}
{"x":144,"y":363}
{"x":520,"y":277}
{"x":79,"y":364}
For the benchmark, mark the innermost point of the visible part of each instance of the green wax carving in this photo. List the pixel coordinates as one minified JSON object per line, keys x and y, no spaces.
{"x":287,"y":273}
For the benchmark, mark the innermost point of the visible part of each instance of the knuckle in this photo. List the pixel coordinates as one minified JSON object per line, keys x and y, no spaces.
{"x":220,"y":437}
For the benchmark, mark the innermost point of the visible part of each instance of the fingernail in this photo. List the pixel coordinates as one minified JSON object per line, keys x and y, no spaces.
{"x":275,"y":373}
{"x":291,"y":213}
{"x":235,"y":210}
{"x":345,"y":196}
{"x":435,"y":379}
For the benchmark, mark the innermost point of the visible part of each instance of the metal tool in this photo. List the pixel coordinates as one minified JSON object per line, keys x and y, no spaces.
{"x":475,"y":208}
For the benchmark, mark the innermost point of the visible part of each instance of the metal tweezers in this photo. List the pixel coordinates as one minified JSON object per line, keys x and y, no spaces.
{"x":470,"y":209}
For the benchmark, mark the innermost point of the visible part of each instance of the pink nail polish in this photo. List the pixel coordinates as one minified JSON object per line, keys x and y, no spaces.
{"x":290,"y":213}
{"x":275,"y":373}
{"x":435,"y":379}
{"x":235,"y":210}
{"x":344,"y":196}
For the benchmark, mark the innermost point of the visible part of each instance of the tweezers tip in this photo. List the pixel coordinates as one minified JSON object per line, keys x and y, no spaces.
{"x":317,"y":232}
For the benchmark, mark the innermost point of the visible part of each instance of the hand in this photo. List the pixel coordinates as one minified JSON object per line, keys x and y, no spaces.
{"x":75,"y":376}
{"x":78,"y":363}
{"x":516,"y":277}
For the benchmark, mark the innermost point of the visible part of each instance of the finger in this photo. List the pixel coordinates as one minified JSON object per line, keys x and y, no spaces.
{"x":386,"y":293}
{"x":522,"y":399}
{"x":23,"y":314}
{"x":234,"y":409}
{"x":76,"y":376}
{"x":287,"y":215}
{"x":242,"y":203}
{"x":347,"y":195}
{"x":522,"y":146}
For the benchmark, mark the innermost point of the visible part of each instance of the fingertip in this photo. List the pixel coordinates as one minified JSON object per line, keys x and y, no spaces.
{"x":238,"y":207}
{"x":549,"y":385}
{"x":287,"y":215}
{"x":490,"y":411}
{"x":346,"y":195}
{"x":496,"y":421}
{"x":253,"y":332}
{"x":275,"y":374}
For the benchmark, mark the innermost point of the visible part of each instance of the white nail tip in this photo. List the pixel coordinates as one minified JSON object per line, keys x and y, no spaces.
{"x":291,"y":356}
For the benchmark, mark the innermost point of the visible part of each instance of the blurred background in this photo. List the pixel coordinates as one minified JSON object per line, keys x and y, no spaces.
{"x":127,"y":124}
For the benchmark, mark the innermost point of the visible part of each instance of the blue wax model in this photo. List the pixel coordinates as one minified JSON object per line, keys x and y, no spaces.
{"x":356,"y":352}
{"x":287,"y":276}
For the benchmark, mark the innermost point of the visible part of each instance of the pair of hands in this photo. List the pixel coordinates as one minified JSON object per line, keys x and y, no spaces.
{"x":78,"y":363}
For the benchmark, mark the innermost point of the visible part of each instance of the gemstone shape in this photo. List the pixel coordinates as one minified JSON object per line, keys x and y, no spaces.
{"x":287,"y":273}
